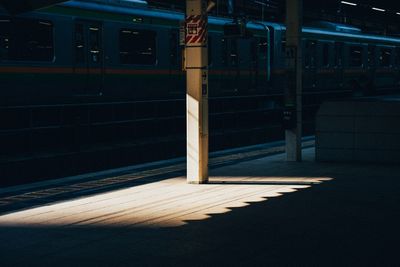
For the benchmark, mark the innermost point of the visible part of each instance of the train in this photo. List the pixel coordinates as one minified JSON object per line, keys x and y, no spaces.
{"x":93,"y":74}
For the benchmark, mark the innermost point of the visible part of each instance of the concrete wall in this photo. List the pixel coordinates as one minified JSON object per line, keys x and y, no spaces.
{"x":365,"y":130}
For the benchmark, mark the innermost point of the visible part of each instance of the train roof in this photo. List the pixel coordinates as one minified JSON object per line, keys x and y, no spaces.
{"x":357,"y":36}
{"x":140,"y":8}
{"x":344,"y":31}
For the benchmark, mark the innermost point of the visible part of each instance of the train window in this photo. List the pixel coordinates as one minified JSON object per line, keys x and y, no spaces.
{"x":283,"y":46}
{"x":95,"y":44}
{"x":310,"y":54}
{"x":137,"y":47}
{"x":325,"y":55}
{"x":5,"y":27}
{"x":355,"y":59}
{"x":385,"y":57}
{"x":371,"y":55}
{"x":79,"y":43}
{"x":338,"y":56}
{"x":26,"y":40}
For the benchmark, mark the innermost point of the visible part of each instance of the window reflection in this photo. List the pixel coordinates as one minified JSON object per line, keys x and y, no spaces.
{"x":26,"y":40}
{"x":137,"y":47}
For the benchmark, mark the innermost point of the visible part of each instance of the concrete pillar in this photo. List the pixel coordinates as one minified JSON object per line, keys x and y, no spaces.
{"x":293,"y":91}
{"x":197,"y":91}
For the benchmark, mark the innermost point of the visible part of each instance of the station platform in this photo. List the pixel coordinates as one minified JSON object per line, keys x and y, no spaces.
{"x":258,"y":211}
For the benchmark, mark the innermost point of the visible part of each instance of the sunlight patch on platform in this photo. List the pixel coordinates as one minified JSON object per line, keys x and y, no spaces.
{"x":167,"y":203}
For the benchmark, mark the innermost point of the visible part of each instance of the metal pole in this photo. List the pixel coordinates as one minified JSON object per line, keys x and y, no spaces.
{"x":262,"y":10}
{"x":197,"y":91}
{"x":263,"y":5}
{"x":231,"y":7}
{"x":293,"y":91}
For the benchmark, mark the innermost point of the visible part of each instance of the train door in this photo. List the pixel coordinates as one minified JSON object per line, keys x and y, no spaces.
{"x":234,"y":69}
{"x":244,"y":65}
{"x":254,"y":64}
{"x":371,"y":69}
{"x":325,"y":77}
{"x":264,"y":65}
{"x":89,"y":57}
{"x":230,"y":64}
{"x":338,"y":64}
{"x":176,"y":81}
{"x":356,"y":60}
{"x":310,"y":64}
{"x":385,"y":79}
{"x":397,"y":65}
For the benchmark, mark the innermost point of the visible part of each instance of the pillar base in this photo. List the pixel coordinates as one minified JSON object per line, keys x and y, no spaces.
{"x":197,"y":182}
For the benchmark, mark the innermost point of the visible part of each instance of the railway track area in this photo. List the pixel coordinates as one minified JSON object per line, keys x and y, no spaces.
{"x":40,"y":142}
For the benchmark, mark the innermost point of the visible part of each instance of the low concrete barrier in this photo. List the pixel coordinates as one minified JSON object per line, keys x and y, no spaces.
{"x":363,"y":130}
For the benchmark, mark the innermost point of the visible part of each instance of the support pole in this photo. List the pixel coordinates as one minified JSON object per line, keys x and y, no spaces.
{"x":197,"y":91}
{"x":293,"y":91}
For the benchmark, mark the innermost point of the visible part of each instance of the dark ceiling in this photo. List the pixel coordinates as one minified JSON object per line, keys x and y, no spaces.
{"x":388,"y":4}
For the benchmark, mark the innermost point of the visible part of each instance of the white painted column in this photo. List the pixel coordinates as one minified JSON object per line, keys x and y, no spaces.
{"x":293,"y":92}
{"x":197,"y":91}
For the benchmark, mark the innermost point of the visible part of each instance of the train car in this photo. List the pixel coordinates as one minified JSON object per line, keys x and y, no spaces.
{"x":97,"y":50}
{"x":92,"y":75}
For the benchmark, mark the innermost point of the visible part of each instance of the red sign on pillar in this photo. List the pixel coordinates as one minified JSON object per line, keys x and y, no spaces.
{"x":196,"y":30}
